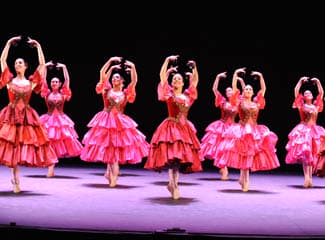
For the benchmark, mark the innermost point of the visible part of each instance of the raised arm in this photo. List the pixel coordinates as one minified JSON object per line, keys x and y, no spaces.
{"x":45,"y":91}
{"x":47,"y":65}
{"x":164,"y":72}
{"x":66,"y":83}
{"x":216,"y":82}
{"x":195,"y":78}
{"x":262,"y":82}
{"x":299,"y":84}
{"x":235,"y":78}
{"x":242,"y":83}
{"x":5,"y":51}
{"x":133,"y":72}
{"x":41,"y":58}
{"x":104,"y":81}
{"x":104,"y":73}
{"x":319,"y":87}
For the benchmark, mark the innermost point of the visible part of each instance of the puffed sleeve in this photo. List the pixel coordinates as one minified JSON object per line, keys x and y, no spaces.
{"x":299,"y":101}
{"x":66,"y":92}
{"x":6,"y":77}
{"x":234,"y":99}
{"x":260,"y":100}
{"x":36,"y":78}
{"x":100,"y":86}
{"x":191,"y":91}
{"x":319,"y":103}
{"x":164,"y":91}
{"x":45,"y":90}
{"x":130,"y":94}
{"x":219,"y":99}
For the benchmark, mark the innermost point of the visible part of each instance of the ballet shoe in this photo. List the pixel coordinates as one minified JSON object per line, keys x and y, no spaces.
{"x":245,"y":187}
{"x":112,"y":182}
{"x":49,"y":175}
{"x":16,"y":187}
{"x":308,"y":184}
{"x":224,"y":177}
{"x":175,"y":194}
{"x":50,"y":172}
{"x":224,"y":174}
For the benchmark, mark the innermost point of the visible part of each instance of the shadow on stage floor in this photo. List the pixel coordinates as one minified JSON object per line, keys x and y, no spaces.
{"x":78,"y":204}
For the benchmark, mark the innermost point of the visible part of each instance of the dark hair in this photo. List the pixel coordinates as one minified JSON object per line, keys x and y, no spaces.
{"x":171,"y":75}
{"x":25,"y":62}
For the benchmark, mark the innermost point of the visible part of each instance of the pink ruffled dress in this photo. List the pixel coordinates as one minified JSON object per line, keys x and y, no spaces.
{"x":215,"y":132}
{"x":306,"y":138}
{"x":23,"y":138}
{"x":113,"y":136}
{"x":175,"y":138}
{"x":249,"y":145}
{"x":60,"y":128}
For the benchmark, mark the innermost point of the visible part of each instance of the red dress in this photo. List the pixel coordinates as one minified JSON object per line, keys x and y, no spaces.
{"x":60,"y":128}
{"x":215,"y":132}
{"x":319,"y":169}
{"x":23,"y":138}
{"x":113,"y":137}
{"x":252,"y":145}
{"x":175,"y":138}
{"x":306,"y":138}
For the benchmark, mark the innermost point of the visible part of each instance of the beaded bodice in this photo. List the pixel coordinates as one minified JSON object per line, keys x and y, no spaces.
{"x":55,"y":101}
{"x":309,"y":113}
{"x":115,"y":100}
{"x":248,"y":112}
{"x":19,"y":95}
{"x":228,"y":112}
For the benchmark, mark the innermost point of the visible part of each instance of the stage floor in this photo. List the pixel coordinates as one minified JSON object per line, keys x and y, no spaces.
{"x":78,"y":199}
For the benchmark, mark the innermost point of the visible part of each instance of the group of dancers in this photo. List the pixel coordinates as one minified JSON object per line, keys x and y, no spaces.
{"x":235,"y":140}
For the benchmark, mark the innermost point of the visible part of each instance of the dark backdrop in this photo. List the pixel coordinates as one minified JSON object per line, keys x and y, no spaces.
{"x":284,"y":43}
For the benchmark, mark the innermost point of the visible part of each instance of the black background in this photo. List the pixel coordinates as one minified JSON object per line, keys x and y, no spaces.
{"x":282,"y":42}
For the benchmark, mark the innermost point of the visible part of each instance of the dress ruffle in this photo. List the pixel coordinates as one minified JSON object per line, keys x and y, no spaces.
{"x":62,"y":135}
{"x":23,"y":140}
{"x":210,"y":142}
{"x":174,"y":141}
{"x":319,"y":168}
{"x":248,"y":147}
{"x":114,"y":137}
{"x":304,"y":144}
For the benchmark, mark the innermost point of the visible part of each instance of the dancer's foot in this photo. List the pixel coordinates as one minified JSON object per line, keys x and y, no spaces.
{"x":49,"y":175}
{"x":112,"y":182}
{"x":16,"y":187}
{"x":245,"y":187}
{"x":224,"y":174}
{"x":176,"y":194}
{"x":50,"y":171}
{"x":308,"y":184}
